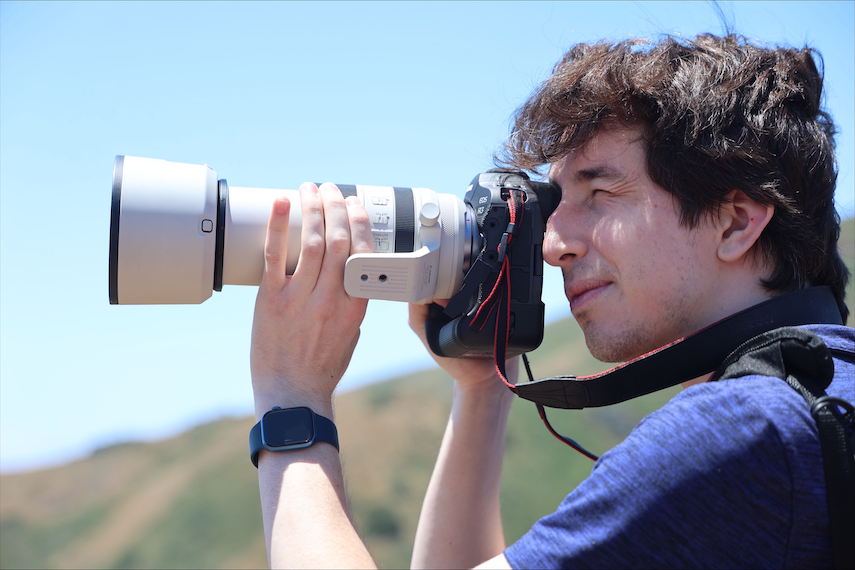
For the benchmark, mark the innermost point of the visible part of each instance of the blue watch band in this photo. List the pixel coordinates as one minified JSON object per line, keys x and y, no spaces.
{"x":290,"y":429}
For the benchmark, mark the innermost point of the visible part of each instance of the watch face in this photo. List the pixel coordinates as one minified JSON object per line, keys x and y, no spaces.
{"x":281,"y":428}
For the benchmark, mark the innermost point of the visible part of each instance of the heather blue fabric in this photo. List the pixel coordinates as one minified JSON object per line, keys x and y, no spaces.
{"x":726,"y":475}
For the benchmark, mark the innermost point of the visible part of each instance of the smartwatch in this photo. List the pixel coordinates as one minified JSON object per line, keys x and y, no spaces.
{"x":290,"y":429}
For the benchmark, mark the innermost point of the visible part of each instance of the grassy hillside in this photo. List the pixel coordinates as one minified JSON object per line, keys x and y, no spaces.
{"x":192,"y":501}
{"x":847,"y":251}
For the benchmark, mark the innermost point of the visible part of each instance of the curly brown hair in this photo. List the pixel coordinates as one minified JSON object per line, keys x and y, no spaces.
{"x":717,"y":114}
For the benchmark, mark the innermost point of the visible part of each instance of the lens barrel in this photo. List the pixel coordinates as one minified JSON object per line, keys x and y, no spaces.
{"x":177,"y":233}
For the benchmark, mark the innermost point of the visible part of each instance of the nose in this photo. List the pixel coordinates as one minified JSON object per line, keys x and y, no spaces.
{"x":563,"y":242}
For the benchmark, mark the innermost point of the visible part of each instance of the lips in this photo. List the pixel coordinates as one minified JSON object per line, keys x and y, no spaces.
{"x":583,"y":291}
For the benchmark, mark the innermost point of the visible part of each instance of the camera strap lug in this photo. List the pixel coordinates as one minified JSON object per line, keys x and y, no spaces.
{"x":509,"y":234}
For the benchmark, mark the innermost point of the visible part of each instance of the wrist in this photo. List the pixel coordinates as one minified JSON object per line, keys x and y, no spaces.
{"x":490,"y":385}
{"x":290,"y":430}
{"x":484,"y":399}
{"x":266,"y":400}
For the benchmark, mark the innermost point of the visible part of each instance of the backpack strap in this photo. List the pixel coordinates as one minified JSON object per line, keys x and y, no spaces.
{"x":802,"y":360}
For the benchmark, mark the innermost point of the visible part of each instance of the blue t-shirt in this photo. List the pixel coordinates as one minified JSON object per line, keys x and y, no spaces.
{"x":726,"y":475}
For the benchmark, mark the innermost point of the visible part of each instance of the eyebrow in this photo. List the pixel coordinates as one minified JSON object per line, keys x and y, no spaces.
{"x":586,"y":175}
{"x":605,"y":172}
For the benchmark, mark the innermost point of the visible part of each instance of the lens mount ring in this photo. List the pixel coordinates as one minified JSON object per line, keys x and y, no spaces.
{"x":471,"y":238}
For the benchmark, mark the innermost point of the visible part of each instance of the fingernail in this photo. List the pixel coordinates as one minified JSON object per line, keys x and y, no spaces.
{"x":353,"y":201}
{"x":329,"y":188}
{"x":309,"y":187}
{"x":282,"y":206}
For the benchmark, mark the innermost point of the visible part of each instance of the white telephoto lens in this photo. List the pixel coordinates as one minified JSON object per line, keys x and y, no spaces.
{"x":177,"y":233}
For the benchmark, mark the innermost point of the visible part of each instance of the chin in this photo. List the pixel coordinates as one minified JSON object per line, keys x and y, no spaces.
{"x":609,"y":354}
{"x":619,"y":347}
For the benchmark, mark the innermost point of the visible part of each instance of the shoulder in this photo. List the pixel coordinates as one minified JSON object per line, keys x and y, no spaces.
{"x":835,"y":336}
{"x":719,"y":462}
{"x":841,"y":342}
{"x":707,"y":469}
{"x":755,"y":413}
{"x":752,"y":404}
{"x":756,"y":429}
{"x":734,"y":438}
{"x":741,"y":410}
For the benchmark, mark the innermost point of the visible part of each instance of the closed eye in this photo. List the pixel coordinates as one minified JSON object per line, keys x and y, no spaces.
{"x":599,"y":195}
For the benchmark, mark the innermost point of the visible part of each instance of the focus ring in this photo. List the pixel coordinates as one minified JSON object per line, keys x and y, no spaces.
{"x":405,"y":220}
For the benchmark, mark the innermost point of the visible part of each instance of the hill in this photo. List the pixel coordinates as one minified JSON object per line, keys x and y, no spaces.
{"x":846,"y":245}
{"x":192,"y":501}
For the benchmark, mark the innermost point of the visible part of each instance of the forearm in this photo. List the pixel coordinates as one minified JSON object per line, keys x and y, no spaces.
{"x":307,"y":523}
{"x":460,"y":525}
{"x":303,"y":335}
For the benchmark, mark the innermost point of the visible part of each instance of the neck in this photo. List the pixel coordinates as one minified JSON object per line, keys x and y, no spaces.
{"x":699,"y":380}
{"x":751,"y":293}
{"x":731,"y":293}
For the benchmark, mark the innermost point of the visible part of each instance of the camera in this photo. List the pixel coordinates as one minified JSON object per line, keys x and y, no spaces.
{"x":178,"y":232}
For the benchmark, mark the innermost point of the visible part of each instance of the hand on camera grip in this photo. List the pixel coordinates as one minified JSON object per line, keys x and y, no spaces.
{"x":468,"y":372}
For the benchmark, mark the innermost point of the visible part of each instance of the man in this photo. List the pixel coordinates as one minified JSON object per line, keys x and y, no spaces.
{"x":697,"y":180}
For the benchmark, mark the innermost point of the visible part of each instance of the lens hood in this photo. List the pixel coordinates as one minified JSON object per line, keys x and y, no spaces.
{"x":163,"y":230}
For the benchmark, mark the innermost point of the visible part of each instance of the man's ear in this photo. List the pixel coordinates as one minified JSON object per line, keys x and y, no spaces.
{"x":741,"y":222}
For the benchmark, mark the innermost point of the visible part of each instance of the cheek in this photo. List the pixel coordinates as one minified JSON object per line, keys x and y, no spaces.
{"x":670,"y":274}
{"x":650,"y":263}
{"x":628,"y":246}
{"x":610,"y":237}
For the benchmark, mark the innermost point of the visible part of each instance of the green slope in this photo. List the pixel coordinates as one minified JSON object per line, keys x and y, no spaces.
{"x":192,"y":501}
{"x":846,"y":246}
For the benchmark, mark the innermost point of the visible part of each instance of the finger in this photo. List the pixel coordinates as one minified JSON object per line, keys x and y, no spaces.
{"x":276,"y":245}
{"x":419,"y":314}
{"x":337,"y":229}
{"x":417,"y":318}
{"x":311,"y":238}
{"x":361,"y":238}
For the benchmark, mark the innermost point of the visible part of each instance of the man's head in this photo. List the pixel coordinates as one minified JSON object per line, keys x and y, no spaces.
{"x":715,"y":119}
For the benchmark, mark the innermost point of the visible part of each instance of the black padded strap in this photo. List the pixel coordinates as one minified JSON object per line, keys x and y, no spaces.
{"x":688,"y":358}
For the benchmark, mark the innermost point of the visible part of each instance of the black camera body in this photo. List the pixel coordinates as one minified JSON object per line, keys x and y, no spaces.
{"x":450,"y":330}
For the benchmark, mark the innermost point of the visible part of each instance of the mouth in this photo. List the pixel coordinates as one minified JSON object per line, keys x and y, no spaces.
{"x":584,"y":291}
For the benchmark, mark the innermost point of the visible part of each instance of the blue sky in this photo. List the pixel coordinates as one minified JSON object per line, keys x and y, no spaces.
{"x":270,"y":95}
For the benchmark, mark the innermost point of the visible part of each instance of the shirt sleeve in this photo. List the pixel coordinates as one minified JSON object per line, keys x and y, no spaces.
{"x":706,"y":481}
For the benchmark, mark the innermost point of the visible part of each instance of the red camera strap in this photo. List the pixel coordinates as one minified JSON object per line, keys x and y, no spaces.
{"x":499,"y":299}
